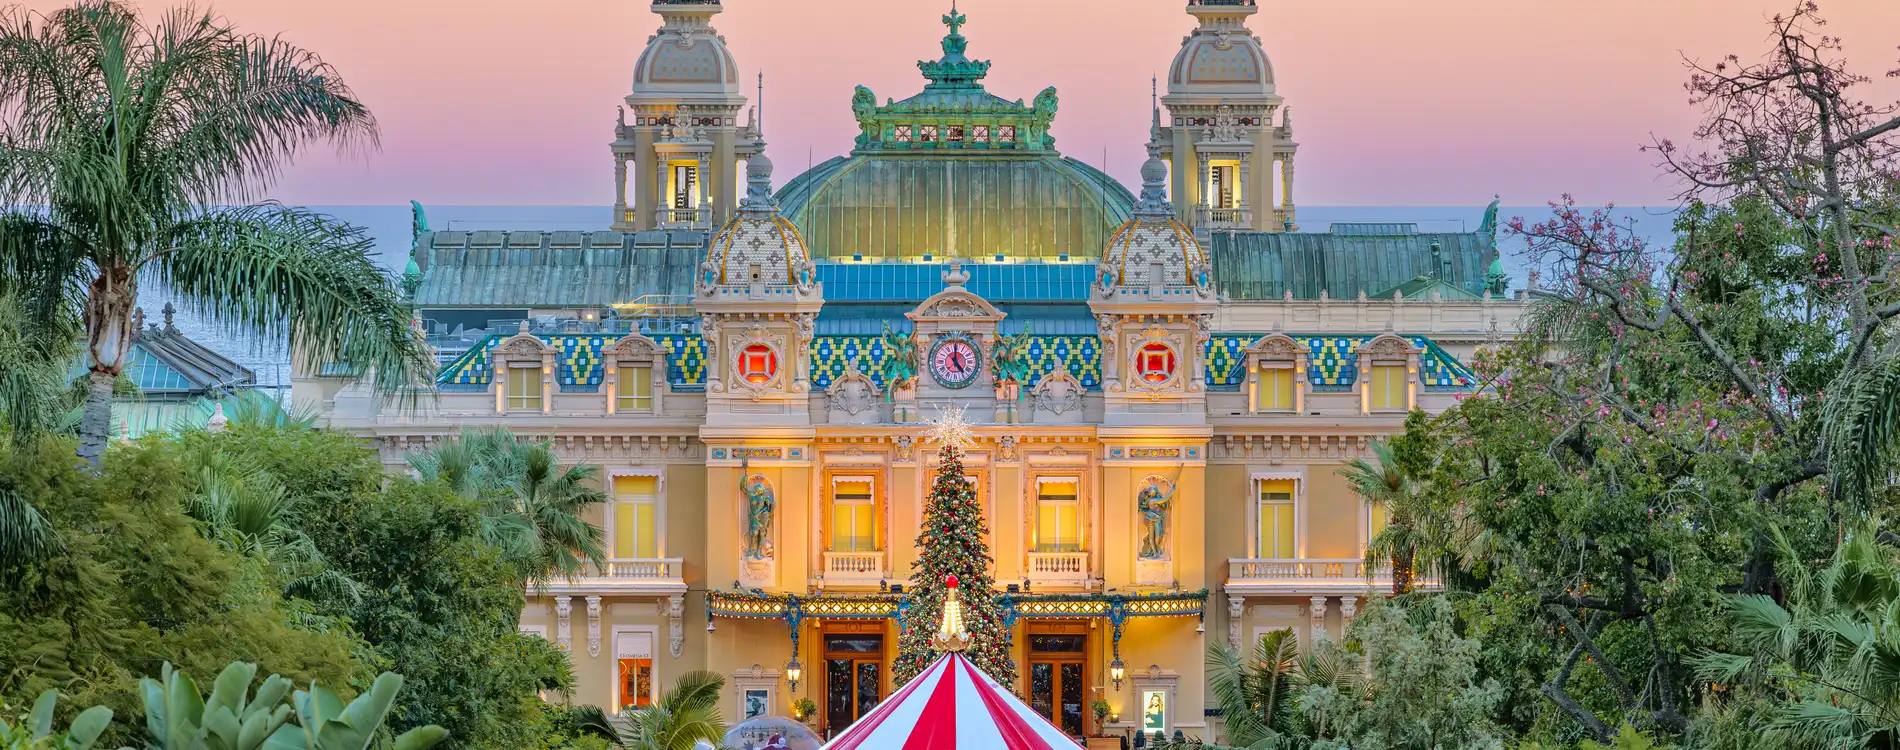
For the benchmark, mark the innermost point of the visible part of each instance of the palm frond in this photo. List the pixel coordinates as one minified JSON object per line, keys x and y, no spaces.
{"x":1861,"y":427}
{"x":25,"y":535}
{"x":304,"y":277}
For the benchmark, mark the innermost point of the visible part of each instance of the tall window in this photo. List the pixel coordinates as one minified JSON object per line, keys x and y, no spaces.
{"x":1275,"y":509}
{"x":636,"y":388}
{"x":853,"y":516}
{"x":636,"y":517}
{"x":1276,"y":389}
{"x":634,"y":656}
{"x":1225,"y":190}
{"x":524,"y":388}
{"x":685,"y":183}
{"x":1388,"y":387}
{"x":1058,"y":515}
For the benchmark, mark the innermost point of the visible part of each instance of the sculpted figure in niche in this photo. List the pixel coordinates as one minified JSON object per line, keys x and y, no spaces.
{"x":1154,"y":500}
{"x":1011,"y":358}
{"x":900,"y":359}
{"x":759,"y":511}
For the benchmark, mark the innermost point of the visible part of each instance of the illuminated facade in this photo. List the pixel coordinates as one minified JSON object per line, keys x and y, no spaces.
{"x":1165,"y":389}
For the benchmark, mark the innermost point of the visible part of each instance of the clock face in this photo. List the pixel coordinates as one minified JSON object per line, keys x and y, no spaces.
{"x":955,"y":362}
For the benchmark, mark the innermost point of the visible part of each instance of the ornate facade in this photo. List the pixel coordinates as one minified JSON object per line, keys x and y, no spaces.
{"x":1165,"y":384}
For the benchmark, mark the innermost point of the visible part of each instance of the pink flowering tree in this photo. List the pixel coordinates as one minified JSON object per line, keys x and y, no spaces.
{"x":1676,"y":418}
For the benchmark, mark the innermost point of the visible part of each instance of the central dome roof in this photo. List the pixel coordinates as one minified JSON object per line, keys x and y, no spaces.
{"x":955,"y":172}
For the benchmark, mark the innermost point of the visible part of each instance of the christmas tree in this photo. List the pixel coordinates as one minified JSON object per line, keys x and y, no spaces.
{"x":952,"y":544}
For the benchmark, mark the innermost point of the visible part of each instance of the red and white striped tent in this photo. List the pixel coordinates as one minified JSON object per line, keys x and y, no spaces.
{"x":952,"y":706}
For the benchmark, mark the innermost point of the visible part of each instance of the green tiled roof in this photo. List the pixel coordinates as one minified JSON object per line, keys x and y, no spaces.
{"x":1266,"y":265}
{"x":1332,"y":365}
{"x":906,"y":207}
{"x":555,"y":269}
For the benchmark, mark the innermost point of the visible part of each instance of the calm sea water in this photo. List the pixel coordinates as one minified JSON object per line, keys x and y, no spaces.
{"x":390,"y":227}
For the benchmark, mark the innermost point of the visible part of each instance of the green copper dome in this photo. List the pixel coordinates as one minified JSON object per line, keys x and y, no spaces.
{"x":955,"y":172}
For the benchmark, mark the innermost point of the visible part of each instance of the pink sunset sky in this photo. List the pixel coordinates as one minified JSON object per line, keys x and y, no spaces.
{"x":1395,"y":102}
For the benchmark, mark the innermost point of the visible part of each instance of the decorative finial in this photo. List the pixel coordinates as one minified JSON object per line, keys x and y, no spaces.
{"x":218,"y":421}
{"x":138,"y":319}
{"x":169,"y":310}
{"x":951,"y":635}
{"x":758,"y":189}
{"x":951,"y":429}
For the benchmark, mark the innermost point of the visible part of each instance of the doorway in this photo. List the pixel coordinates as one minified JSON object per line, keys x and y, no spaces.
{"x":1058,"y":669}
{"x":854,"y":675}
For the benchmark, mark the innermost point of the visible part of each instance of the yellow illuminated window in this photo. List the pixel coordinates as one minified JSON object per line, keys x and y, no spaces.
{"x":1375,"y":520}
{"x":1388,"y":386}
{"x":1058,"y":516}
{"x":1276,"y":519}
{"x":636,"y":517}
{"x":853,"y":517}
{"x":636,"y":683}
{"x":1276,"y":389}
{"x":636,"y":388}
{"x":524,"y":389}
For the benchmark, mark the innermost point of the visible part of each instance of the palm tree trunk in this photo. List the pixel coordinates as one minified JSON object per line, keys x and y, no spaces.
{"x":109,"y":302}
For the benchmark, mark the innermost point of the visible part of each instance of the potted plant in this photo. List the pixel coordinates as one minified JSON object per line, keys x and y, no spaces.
{"x":1102,"y":740}
{"x":804,"y":709}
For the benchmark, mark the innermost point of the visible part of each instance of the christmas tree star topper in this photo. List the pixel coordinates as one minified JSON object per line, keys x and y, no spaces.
{"x":951,"y":429}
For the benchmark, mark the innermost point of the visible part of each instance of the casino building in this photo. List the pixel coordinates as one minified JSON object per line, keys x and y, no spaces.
{"x":1166,"y":381}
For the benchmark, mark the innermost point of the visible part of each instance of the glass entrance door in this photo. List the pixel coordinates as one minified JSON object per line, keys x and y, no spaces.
{"x":854,"y":677}
{"x":1057,"y":665}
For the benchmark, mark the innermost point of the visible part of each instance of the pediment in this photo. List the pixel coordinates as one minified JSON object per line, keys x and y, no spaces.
{"x":956,"y":304}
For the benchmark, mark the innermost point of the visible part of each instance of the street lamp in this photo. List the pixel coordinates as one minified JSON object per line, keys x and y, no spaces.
{"x":793,"y":672}
{"x":1116,"y":670}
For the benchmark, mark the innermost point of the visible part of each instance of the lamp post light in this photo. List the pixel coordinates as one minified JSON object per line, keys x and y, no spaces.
{"x":794,"y":671}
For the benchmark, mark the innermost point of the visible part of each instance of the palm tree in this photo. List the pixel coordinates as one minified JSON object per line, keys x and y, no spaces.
{"x":1261,"y":698}
{"x":684,"y":716}
{"x":532,"y":506}
{"x":1256,"y":697}
{"x":1383,"y":483}
{"x":130,"y":152}
{"x":1833,"y":650}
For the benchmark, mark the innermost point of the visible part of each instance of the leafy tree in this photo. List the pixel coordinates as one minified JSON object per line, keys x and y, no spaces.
{"x":438,"y":603}
{"x":683,"y":717}
{"x":132,"y":151}
{"x":532,"y":506}
{"x":134,"y":584}
{"x":1424,"y":688}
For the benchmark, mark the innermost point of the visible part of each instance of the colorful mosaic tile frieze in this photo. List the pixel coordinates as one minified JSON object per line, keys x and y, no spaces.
{"x":578,"y":360}
{"x":1333,"y":364}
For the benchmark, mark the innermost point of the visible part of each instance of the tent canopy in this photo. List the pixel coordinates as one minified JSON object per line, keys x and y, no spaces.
{"x":952,"y":706}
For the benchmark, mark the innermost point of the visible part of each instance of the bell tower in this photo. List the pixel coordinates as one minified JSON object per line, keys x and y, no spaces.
{"x":1220,"y":136}
{"x":681,"y":135}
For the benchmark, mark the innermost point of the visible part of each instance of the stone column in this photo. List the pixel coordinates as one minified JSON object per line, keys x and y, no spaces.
{"x":1348,"y":609}
{"x":564,"y":623}
{"x":723,"y":182}
{"x":620,"y":189}
{"x":1181,"y":172}
{"x":709,"y":210}
{"x":1318,"y":614}
{"x":1236,"y":618}
{"x":645,"y":164}
{"x":1246,"y":185}
{"x":1287,"y":202}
